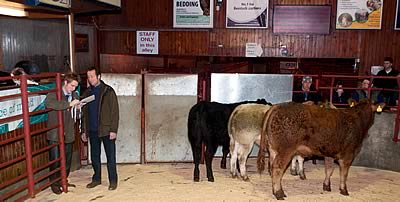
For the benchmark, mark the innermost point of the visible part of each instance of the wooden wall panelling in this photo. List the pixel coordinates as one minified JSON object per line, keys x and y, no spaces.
{"x":1,"y":56}
{"x":363,"y":44}
{"x":16,"y":149}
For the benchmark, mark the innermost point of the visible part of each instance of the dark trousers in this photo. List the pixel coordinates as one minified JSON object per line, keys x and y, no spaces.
{"x":54,"y":153}
{"x":389,"y":97}
{"x":95,"y":151}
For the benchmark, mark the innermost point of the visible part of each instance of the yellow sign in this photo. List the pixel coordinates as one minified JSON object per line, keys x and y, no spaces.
{"x":359,"y":14}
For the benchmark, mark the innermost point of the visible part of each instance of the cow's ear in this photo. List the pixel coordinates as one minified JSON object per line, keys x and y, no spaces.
{"x":378,"y":107}
{"x":352,"y":102}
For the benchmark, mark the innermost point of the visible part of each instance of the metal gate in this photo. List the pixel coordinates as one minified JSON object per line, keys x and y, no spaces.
{"x":168,"y":99}
{"x":230,"y":88}
{"x":128,"y":88}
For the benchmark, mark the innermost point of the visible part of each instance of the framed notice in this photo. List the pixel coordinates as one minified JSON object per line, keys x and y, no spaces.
{"x":247,"y":14}
{"x":81,"y":43}
{"x":397,"y":20}
{"x":193,"y":13}
{"x":147,"y":42}
{"x":359,"y":14}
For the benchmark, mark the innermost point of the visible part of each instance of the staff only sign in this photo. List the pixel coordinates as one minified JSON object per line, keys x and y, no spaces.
{"x":147,"y":42}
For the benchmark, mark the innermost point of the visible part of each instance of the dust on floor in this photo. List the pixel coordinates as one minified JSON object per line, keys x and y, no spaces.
{"x":173,"y":182}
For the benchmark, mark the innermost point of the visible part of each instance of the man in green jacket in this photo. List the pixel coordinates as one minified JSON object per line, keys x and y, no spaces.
{"x":69,"y":99}
{"x":100,"y":124}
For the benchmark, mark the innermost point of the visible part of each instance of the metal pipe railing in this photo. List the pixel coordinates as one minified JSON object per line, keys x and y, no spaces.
{"x":60,"y":119}
{"x":369,"y":89}
{"x":27,"y":132}
{"x":27,"y":138}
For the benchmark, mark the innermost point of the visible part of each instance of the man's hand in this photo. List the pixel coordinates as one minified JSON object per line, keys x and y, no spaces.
{"x":113,"y":135}
{"x":84,"y":137}
{"x":73,"y":103}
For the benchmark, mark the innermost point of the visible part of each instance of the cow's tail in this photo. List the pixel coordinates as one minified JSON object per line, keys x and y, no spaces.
{"x":191,"y":128}
{"x":230,"y":122}
{"x":263,"y":141}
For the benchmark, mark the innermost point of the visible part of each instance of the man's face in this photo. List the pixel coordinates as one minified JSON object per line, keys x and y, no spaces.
{"x":93,"y":79}
{"x":339,"y":89}
{"x":365,"y":84}
{"x":306,"y":85}
{"x":387,"y":64}
{"x":70,"y":87}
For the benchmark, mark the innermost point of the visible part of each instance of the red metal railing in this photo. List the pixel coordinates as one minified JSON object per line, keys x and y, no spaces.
{"x":27,"y":140}
{"x":331,"y":87}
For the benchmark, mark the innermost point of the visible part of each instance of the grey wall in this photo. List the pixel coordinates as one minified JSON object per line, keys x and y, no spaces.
{"x":379,"y":150}
{"x":45,"y":42}
{"x":86,"y":59}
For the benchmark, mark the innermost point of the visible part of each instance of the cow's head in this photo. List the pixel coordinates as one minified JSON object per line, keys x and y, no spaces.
{"x":374,"y":107}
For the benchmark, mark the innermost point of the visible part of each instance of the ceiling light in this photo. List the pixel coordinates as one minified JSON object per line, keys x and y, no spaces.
{"x":11,"y":11}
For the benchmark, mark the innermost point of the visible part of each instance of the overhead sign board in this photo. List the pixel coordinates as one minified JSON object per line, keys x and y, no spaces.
{"x":112,"y":2}
{"x":57,"y":3}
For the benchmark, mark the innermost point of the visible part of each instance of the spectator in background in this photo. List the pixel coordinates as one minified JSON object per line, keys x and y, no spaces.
{"x":306,"y":96}
{"x":363,"y":93}
{"x":340,"y":96}
{"x":389,"y":97}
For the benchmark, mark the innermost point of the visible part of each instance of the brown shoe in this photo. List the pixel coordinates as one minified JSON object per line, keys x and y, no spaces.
{"x":92,"y":184}
{"x":56,"y":189}
{"x":112,"y":187}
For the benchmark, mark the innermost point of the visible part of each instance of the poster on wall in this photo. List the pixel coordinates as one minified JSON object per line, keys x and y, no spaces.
{"x":247,"y":14}
{"x":193,"y":13}
{"x":359,"y":14}
{"x":397,"y":20}
{"x":81,"y":43}
{"x":147,"y":42}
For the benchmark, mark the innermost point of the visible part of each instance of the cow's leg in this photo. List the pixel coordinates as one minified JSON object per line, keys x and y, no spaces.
{"x":279,"y":166}
{"x":243,"y":154}
{"x":210,"y":151}
{"x":344,"y":166}
{"x":293,"y":166}
{"x":234,"y":156}
{"x":328,"y":173}
{"x":271,"y":157}
{"x":196,"y":160}
{"x":225,"y":151}
{"x":300,"y":161}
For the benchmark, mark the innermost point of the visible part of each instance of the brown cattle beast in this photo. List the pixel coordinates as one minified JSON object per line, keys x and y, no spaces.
{"x":292,"y":128}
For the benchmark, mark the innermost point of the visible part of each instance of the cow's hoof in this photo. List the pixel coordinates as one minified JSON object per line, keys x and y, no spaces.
{"x":280,"y":195}
{"x":246,"y":178}
{"x":344,"y":192}
{"x":223,"y":166}
{"x":234,"y":176}
{"x":211,"y":179}
{"x":293,"y":172}
{"x":326,"y":187}
{"x":303,"y":177}
{"x":196,"y":179}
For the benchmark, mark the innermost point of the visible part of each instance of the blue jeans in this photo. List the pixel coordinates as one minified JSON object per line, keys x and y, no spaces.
{"x":95,"y":151}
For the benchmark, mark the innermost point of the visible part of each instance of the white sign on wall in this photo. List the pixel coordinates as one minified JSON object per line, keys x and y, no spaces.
{"x":112,"y":2}
{"x":253,"y":50}
{"x":247,"y":14}
{"x":193,"y":13}
{"x":147,"y":42}
{"x":60,"y":3}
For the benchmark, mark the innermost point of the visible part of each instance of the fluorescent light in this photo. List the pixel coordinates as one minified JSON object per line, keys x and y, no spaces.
{"x":10,"y":11}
